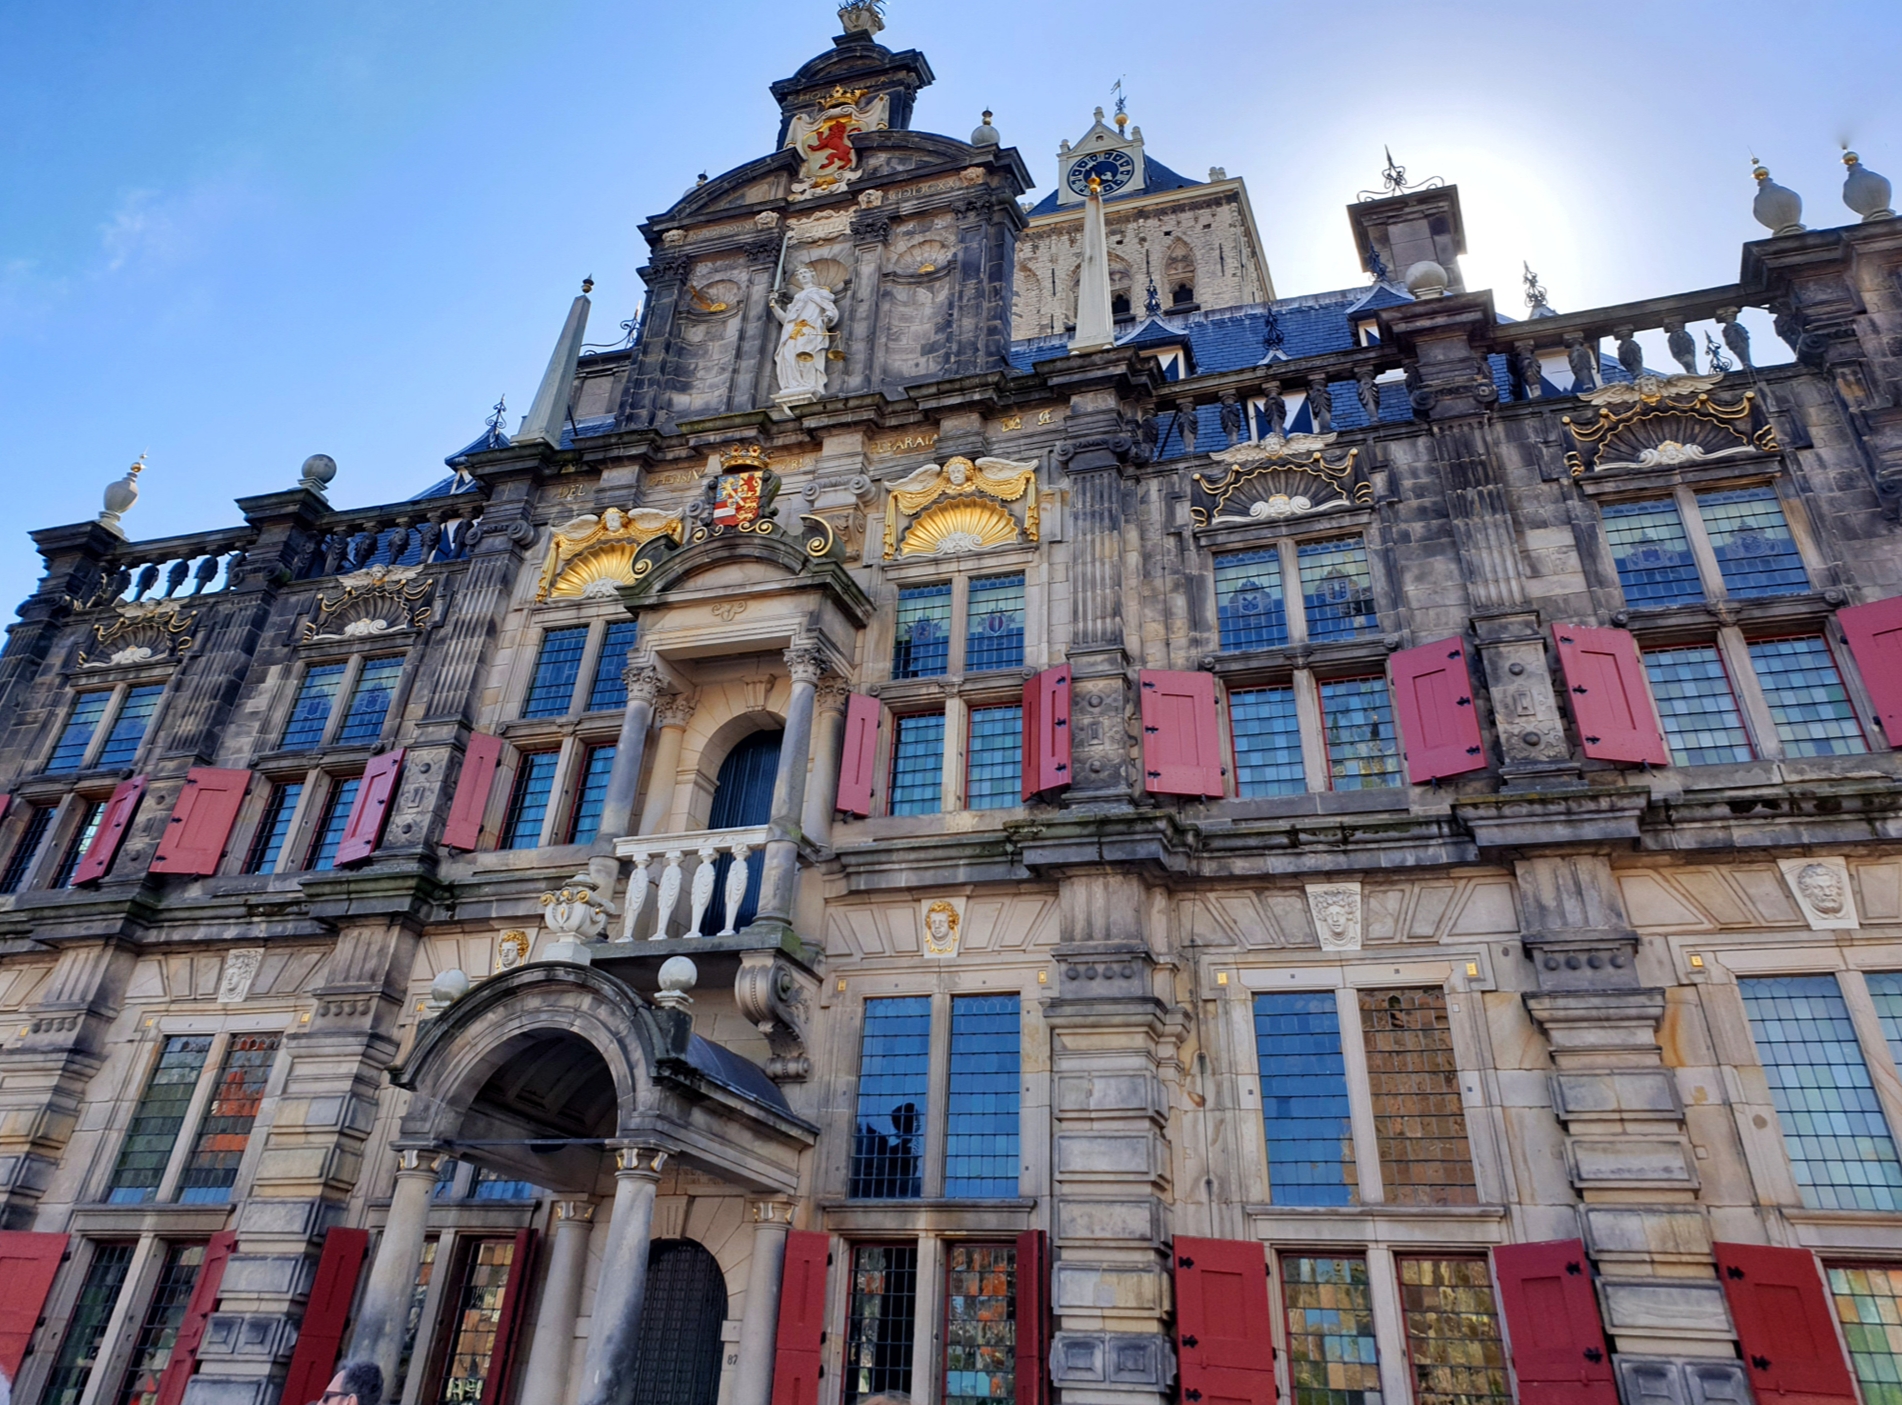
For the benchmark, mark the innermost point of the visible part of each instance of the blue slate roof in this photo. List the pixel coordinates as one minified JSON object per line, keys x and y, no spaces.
{"x":1156,"y":177}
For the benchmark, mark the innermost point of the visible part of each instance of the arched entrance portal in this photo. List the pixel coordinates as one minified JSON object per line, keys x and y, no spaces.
{"x":742,"y":796}
{"x":678,"y":1360}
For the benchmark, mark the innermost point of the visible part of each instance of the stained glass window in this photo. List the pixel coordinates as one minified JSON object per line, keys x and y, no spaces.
{"x":1841,"y":1150}
{"x":882,"y":1320}
{"x":418,"y":1300}
{"x":1363,"y":752}
{"x":528,"y":802}
{"x":1249,"y":608}
{"x":69,"y":753}
{"x":980,"y":1324}
{"x":336,"y":819}
{"x":559,"y":664}
{"x":609,"y":693}
{"x":1332,"y":1358}
{"x":370,"y":701}
{"x":1304,"y":1099}
{"x":311,"y":712}
{"x":1415,"y":1087}
{"x":994,"y":760}
{"x":1453,"y":1339}
{"x":888,"y":1148}
{"x":994,"y":630}
{"x":477,"y":1321}
{"x":32,"y":836}
{"x":155,"y":1126}
{"x":593,"y":796}
{"x":226,"y":1129}
{"x":1267,"y":742}
{"x":274,"y":828}
{"x":1695,"y":704}
{"x":1869,"y":1305}
{"x":918,"y":764}
{"x":152,"y":1352}
{"x":1806,"y":697}
{"x":1755,"y":551}
{"x":128,"y":728}
{"x":81,"y":841}
{"x":1652,"y":554}
{"x":1337,"y":590}
{"x":87,"y":1323}
{"x":981,"y":1124}
{"x":923,"y":643}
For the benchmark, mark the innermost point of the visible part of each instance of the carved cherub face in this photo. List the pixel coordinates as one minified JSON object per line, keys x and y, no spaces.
{"x":939,"y":921}
{"x":1337,"y":911}
{"x":958,"y":471}
{"x":511,"y":951}
{"x":1822,"y":888}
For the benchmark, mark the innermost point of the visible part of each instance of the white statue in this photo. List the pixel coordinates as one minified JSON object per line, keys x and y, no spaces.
{"x":806,"y":322}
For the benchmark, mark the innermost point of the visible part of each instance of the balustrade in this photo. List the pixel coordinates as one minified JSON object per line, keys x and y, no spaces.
{"x":701,"y":851}
{"x":404,"y":539}
{"x":174,"y":569}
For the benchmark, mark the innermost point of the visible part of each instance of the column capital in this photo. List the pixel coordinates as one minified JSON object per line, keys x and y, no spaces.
{"x":805,"y":662}
{"x":831,"y":694}
{"x":642,"y":1162}
{"x":575,"y":1211}
{"x":675,"y":709}
{"x":775,"y":1210}
{"x":420,"y":1160}
{"x":643,"y":682}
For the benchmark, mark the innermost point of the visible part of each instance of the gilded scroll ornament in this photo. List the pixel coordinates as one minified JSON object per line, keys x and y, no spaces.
{"x":139,"y":632}
{"x":378,"y":600}
{"x":592,"y":555}
{"x":1276,"y":477}
{"x":1005,"y":480}
{"x":1664,"y":422}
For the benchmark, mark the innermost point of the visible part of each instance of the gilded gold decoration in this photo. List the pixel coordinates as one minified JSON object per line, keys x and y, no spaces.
{"x":955,"y":527}
{"x":380,"y":600}
{"x":1006,"y":480}
{"x":744,"y":457}
{"x":1276,"y":478}
{"x":144,"y":630}
{"x":1010,"y":422}
{"x":905,"y":443}
{"x":822,"y":539}
{"x":616,"y":536}
{"x":1662,"y":422}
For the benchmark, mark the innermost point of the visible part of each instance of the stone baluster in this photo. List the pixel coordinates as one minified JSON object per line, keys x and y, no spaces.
{"x":545,"y":1382}
{"x":805,"y":663}
{"x":386,"y":1298}
{"x":827,"y":739}
{"x":672,"y":712}
{"x":617,"y":807}
{"x":702,"y":887}
{"x":614,"y":1328}
{"x":636,"y":898}
{"x":670,"y":878}
{"x":736,"y":877}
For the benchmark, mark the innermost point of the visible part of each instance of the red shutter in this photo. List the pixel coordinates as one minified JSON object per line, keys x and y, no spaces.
{"x":112,"y":831}
{"x":6,"y":802}
{"x":498,"y":1387}
{"x":1604,"y":678}
{"x":1047,"y":731}
{"x":1438,"y":723}
{"x":1558,"y":1344}
{"x":479,"y":760}
{"x":858,"y":758}
{"x":320,"y":1336}
{"x":191,"y":1328}
{"x":28,"y":1263}
{"x":1784,"y":1325}
{"x":194,"y":839}
{"x":1033,"y":1318}
{"x":1182,"y":745}
{"x":1224,"y":1334}
{"x":1874,"y":633}
{"x":364,"y":831}
{"x":798,"y":1350}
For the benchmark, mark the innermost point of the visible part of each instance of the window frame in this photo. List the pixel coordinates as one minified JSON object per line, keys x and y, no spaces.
{"x":1684,"y":496}
{"x":116,"y":695}
{"x":1287,"y":541}
{"x":342,"y":700}
{"x":325,"y":798}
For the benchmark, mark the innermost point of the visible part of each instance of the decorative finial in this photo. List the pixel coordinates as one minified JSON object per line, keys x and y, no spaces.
{"x":1096,"y":185}
{"x":318,"y":470}
{"x":1535,"y":290}
{"x":496,"y":438}
{"x":1122,"y":101}
{"x":1152,"y":300}
{"x":984,"y":134}
{"x":1776,"y":208}
{"x":864,"y":17}
{"x":587,"y":285}
{"x":1393,"y":180}
{"x":1864,"y":191}
{"x":1719,"y":363}
{"x":119,"y":497}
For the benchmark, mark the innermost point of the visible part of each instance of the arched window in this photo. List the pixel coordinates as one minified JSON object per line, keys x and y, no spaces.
{"x":742,"y":796}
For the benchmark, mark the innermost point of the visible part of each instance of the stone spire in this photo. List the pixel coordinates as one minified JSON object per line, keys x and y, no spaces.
{"x":1095,"y":325}
{"x":550,"y":410}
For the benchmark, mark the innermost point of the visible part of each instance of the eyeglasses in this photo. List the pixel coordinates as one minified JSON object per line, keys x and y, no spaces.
{"x":331,"y":1395}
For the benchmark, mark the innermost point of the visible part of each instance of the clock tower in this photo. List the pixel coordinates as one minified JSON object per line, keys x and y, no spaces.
{"x":1114,"y":155}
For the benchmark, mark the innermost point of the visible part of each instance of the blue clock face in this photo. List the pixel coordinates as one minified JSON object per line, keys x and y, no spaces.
{"x":1113,"y":169}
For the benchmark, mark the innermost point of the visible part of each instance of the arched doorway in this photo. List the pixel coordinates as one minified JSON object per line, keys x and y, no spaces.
{"x":678,"y":1359}
{"x":742,"y":796}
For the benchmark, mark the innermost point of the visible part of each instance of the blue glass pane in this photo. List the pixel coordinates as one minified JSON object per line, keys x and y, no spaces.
{"x":1337,"y":590}
{"x":312,"y":709}
{"x":609,"y":693}
{"x":1806,"y":697}
{"x":343,"y":797}
{"x":594,"y":795}
{"x":370,"y":701}
{"x":490,"y":1185}
{"x":528,"y":805}
{"x":980,"y":1134}
{"x":888,"y":1146}
{"x":160,"y":1116}
{"x":81,"y":841}
{"x":994,"y":631}
{"x":1755,"y":551}
{"x":923,"y":641}
{"x":555,"y":672}
{"x":1652,"y":553}
{"x":995,"y":758}
{"x":274,"y":828}
{"x":1695,"y":705}
{"x":1304,"y":1099}
{"x":1333,"y":1358}
{"x":128,"y":728}
{"x":1362,"y":751}
{"x":1267,"y":742}
{"x":1840,"y":1147}
{"x":1249,"y":607}
{"x":88,"y":708}
{"x":918,"y":764}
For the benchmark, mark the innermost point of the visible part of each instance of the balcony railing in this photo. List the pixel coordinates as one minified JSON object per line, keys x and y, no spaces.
{"x":688,"y":861}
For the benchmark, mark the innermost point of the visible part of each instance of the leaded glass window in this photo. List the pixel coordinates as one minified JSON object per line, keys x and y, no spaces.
{"x":1304,"y":1099}
{"x":336,"y":819}
{"x":609,"y":693}
{"x":418,"y":1300}
{"x":152,"y":1352}
{"x":1414,"y":1084}
{"x":1840,"y":1147}
{"x":1755,"y":552}
{"x":980,"y":1324}
{"x":1249,"y":608}
{"x":593,"y":795}
{"x":1695,"y":704}
{"x":881,"y":1320}
{"x":994,"y":760}
{"x":32,"y":836}
{"x":556,"y":669}
{"x":888,"y":1148}
{"x":981,"y":1124}
{"x":370,"y":701}
{"x":69,"y":753}
{"x":994,"y":628}
{"x":311,"y":712}
{"x":86,"y":1327}
{"x":918,"y":764}
{"x":1332,"y":1358}
{"x":274,"y":828}
{"x":477,"y":1320}
{"x":226,"y":1129}
{"x":1267,"y":742}
{"x":1363,"y":752}
{"x":1453,"y":1338}
{"x":1652,"y":553}
{"x":493,"y":1185}
{"x":528,"y":802}
{"x":76,"y":847}
{"x":1806,"y":697}
{"x":128,"y":728}
{"x":923,"y":642}
{"x":1869,"y":1305}
{"x":155,"y":1126}
{"x":1337,"y":590}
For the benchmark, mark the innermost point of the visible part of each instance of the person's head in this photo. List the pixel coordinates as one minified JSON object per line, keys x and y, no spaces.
{"x":806,"y":277}
{"x":356,"y":1383}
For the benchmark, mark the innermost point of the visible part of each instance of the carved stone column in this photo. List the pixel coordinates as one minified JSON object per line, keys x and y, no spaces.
{"x":545,"y":1382}
{"x":805,"y":664}
{"x":624,"y":779}
{"x":614,"y":1327}
{"x":757,"y":327}
{"x":753,"y":1381}
{"x":672,"y":712}
{"x":827,"y":737}
{"x":386,"y":1298}
{"x":870,"y":230}
{"x":1100,"y":705}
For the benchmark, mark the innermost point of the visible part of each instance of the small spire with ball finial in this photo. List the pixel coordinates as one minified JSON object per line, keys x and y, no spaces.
{"x":119,"y":497}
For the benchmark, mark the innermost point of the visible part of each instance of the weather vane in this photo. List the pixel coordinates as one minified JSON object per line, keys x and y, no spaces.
{"x":494,"y":422}
{"x":1535,"y":290}
{"x":1393,"y":180}
{"x":1122,"y":99}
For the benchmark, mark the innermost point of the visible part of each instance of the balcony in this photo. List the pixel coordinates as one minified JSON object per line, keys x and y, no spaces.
{"x":689,"y":863}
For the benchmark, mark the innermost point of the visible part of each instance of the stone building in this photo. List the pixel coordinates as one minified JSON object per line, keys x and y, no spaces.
{"x":1346,"y":845}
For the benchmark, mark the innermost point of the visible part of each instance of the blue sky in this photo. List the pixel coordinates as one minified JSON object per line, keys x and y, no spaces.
{"x":234,"y":234}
